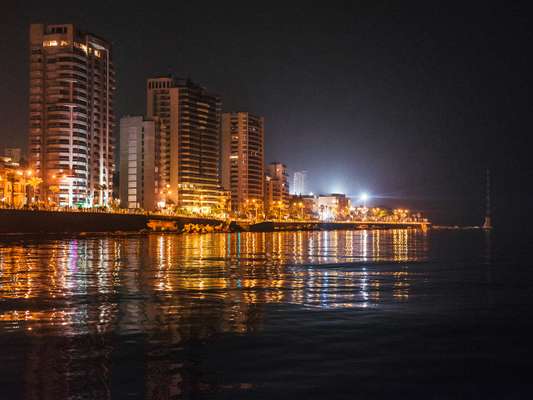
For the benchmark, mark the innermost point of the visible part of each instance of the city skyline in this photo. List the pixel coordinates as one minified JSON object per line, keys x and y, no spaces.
{"x":394,"y":125}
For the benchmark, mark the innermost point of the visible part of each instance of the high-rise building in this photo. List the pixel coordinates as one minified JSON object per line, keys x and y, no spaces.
{"x":299,"y":182}
{"x":72,"y":83}
{"x":276,"y":189}
{"x":188,"y":157}
{"x":158,"y":109}
{"x":137,"y":163}
{"x":242,"y":159}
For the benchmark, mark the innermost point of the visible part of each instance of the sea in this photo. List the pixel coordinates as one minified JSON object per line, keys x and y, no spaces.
{"x":364,"y":314}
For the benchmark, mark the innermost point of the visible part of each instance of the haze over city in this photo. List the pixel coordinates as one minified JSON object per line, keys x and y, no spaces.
{"x":414,"y":118}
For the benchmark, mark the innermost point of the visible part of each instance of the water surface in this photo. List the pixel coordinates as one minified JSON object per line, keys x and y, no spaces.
{"x":356,"y":314}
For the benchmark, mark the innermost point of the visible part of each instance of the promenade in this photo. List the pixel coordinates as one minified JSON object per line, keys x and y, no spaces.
{"x":28,"y":221}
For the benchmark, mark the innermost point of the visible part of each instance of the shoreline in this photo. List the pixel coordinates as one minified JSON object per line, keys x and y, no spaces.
{"x":16,"y":222}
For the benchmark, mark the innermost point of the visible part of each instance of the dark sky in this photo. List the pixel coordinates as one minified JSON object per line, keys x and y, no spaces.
{"x":408,"y":101}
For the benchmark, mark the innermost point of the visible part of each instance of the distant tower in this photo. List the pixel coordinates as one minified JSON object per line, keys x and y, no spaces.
{"x":299,"y":182}
{"x":488,"y":223}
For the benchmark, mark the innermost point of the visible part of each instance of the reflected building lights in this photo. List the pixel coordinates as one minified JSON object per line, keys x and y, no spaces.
{"x":162,"y":285}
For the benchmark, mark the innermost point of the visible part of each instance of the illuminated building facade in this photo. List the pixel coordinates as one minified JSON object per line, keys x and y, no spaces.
{"x":158,"y":109}
{"x":299,"y":182}
{"x":137,"y":163}
{"x":302,"y":206}
{"x":276,"y":189}
{"x":14,"y":153}
{"x":332,"y":206}
{"x":72,"y":85}
{"x":243,"y":159}
{"x":13,"y":183}
{"x":188,"y":146}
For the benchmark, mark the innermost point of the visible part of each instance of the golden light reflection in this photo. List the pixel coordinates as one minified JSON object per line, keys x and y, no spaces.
{"x":133,"y":284}
{"x":73,"y":297}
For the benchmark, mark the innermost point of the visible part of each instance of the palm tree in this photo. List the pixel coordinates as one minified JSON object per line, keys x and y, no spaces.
{"x":12,"y":179}
{"x":34,"y":182}
{"x":55,"y":190}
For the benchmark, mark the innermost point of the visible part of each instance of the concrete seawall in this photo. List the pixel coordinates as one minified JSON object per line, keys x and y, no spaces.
{"x":271,"y":226}
{"x":34,"y":222}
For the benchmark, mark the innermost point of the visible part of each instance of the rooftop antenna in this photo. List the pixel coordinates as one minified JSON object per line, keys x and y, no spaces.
{"x":488,"y":222}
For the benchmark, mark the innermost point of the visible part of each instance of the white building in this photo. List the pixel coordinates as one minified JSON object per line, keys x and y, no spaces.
{"x":332,"y":206}
{"x":299,"y":182}
{"x":137,"y":163}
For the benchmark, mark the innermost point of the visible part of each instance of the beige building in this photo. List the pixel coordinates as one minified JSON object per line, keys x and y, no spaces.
{"x":243,"y":160}
{"x":72,"y":84}
{"x":158,"y":109}
{"x":188,"y":144}
{"x":137,"y":163}
{"x":276,"y":190}
{"x":13,"y":183}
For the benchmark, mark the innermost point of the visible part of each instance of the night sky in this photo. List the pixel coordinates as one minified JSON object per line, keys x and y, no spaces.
{"x":410,"y":102}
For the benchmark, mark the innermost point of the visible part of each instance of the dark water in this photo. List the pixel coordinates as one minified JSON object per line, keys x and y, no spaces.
{"x":304,"y":315}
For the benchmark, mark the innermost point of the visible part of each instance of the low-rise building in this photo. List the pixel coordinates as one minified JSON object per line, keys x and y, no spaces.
{"x":302,"y":207}
{"x":335,"y":206}
{"x":276,"y":191}
{"x":14,"y":183}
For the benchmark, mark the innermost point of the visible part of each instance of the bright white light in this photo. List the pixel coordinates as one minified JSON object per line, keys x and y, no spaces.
{"x":364,"y":196}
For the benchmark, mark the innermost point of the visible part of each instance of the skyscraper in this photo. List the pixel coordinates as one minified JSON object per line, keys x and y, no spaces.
{"x":137,"y":163}
{"x":72,"y":83}
{"x":158,"y":109}
{"x":299,"y":182}
{"x":188,"y":155}
{"x":242,"y":159}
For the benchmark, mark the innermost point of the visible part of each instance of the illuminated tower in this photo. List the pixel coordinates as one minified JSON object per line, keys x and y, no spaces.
{"x":72,"y":83}
{"x":488,"y":222}
{"x":137,"y":166}
{"x":299,"y":183}
{"x":188,"y":144}
{"x":158,"y":109}
{"x":242,"y":159}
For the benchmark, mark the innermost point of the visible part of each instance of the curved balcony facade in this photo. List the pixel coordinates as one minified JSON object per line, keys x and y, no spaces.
{"x":71,"y":115}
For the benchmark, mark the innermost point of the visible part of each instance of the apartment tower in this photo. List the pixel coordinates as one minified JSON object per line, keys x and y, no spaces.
{"x":72,"y":84}
{"x":137,"y":163}
{"x":242,"y":159}
{"x":188,"y":156}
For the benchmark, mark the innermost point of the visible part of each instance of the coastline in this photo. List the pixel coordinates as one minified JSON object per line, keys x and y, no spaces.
{"x":16,"y":222}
